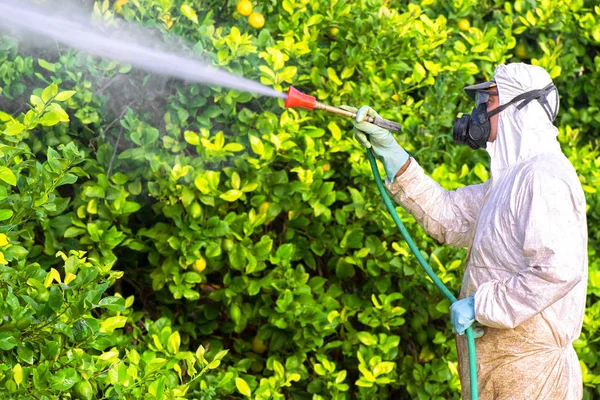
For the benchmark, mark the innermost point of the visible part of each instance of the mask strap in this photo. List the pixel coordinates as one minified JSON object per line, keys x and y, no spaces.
{"x":540,"y":95}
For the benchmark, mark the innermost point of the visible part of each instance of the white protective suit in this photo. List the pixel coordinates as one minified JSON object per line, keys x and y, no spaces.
{"x":527,"y":237}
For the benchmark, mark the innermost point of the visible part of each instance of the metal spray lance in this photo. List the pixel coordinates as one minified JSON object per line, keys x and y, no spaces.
{"x":297,"y":99}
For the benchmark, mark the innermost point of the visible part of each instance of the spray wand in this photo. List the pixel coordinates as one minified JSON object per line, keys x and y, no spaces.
{"x":297,"y":99}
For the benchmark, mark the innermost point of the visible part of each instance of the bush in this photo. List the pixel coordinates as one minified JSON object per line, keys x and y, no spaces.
{"x":168,"y":240}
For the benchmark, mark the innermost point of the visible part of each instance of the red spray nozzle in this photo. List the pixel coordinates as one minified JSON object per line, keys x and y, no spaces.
{"x":297,"y":99}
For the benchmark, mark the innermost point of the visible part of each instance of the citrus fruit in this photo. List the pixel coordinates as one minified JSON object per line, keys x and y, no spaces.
{"x":83,"y":390}
{"x":258,"y":346}
{"x":200,"y":264}
{"x":195,"y":210}
{"x":521,"y":50}
{"x":119,"y":5}
{"x":244,"y":7}
{"x":333,"y":31}
{"x":464,"y":24}
{"x":256,"y":20}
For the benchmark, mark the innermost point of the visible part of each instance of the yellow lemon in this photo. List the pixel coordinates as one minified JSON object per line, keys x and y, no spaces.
{"x":167,"y":21}
{"x":119,"y":5}
{"x":256,"y":20}
{"x":464,"y":24}
{"x":244,"y":7}
{"x":200,"y":264}
{"x":3,"y":240}
{"x":333,"y":31}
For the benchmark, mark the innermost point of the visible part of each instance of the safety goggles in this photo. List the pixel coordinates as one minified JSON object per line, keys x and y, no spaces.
{"x":483,"y":96}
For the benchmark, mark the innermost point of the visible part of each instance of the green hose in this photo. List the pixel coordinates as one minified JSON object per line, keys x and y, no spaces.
{"x":428,"y":270}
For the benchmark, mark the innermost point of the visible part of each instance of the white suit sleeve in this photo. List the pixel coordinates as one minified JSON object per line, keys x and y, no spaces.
{"x":550,"y":215}
{"x":450,"y":216}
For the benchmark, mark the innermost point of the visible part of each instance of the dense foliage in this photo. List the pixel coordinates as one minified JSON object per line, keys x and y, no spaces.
{"x":166,"y":240}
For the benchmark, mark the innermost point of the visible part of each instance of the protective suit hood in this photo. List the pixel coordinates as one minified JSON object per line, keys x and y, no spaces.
{"x":526,"y":132}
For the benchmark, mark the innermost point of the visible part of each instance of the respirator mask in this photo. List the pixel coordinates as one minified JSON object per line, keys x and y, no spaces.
{"x":474,"y":129}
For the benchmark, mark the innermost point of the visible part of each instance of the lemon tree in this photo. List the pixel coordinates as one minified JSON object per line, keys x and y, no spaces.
{"x":161,"y":239}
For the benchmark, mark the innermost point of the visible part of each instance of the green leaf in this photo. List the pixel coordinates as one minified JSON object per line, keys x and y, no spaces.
{"x":7,"y":341}
{"x":333,"y":76}
{"x":191,"y":138}
{"x":481,"y":172}
{"x":65,"y":379}
{"x":231,"y":195}
{"x":200,"y":355}
{"x":5,"y":214}
{"x":383,"y":368}
{"x":14,"y":129}
{"x":174,"y":342}
{"x":94,"y":192}
{"x":366,"y":338}
{"x":37,"y":102}
{"x":49,"y":92}
{"x":221,"y":354}
{"x":234,"y":147}
{"x":335,"y":130}
{"x":66,"y":179}
{"x":113,"y":303}
{"x":125,"y":68}
{"x":56,"y":300}
{"x":257,"y":145}
{"x":112,"y":323}
{"x":419,"y":73}
{"x":64,"y":96}
{"x":8,"y":176}
{"x":243,"y":387}
{"x":263,"y":248}
{"x":189,"y":13}
{"x":25,"y":355}
{"x":278,"y":368}
{"x":235,"y":180}
{"x":286,"y":252}
{"x":46,"y":65}
{"x":443,"y":306}
{"x":53,"y":117}
{"x":237,"y":257}
{"x":362,"y":382}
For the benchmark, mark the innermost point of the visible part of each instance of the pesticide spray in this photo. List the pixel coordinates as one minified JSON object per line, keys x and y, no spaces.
{"x":76,"y":32}
{"x":82,"y":35}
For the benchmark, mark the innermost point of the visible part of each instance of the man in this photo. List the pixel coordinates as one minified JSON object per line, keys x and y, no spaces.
{"x":526,"y":273}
